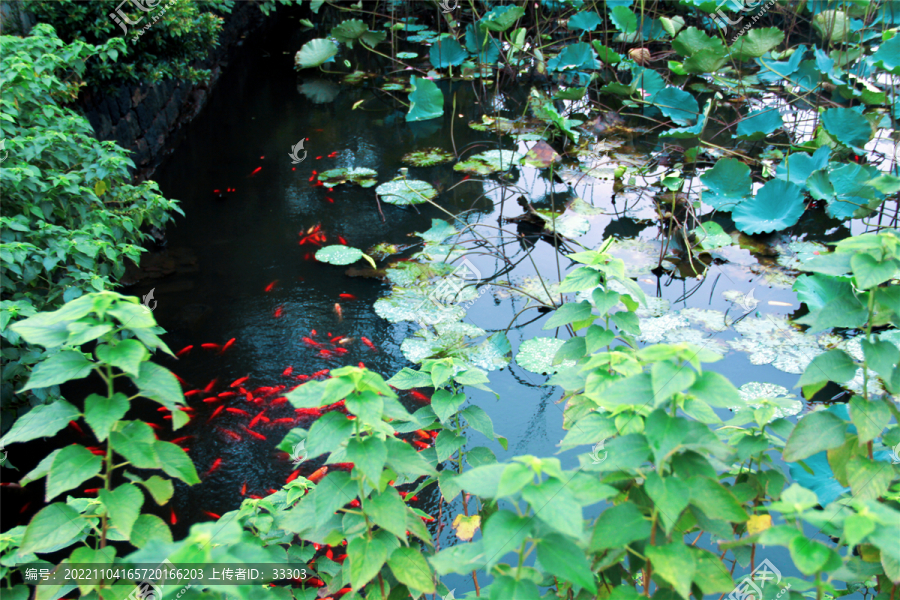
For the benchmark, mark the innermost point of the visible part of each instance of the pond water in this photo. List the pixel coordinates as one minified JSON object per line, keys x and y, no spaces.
{"x":232,"y":245}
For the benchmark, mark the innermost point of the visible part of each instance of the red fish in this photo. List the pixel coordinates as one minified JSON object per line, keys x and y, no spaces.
{"x":279,"y":400}
{"x":420,"y":397}
{"x":215,"y":413}
{"x":254,"y":496}
{"x":309,"y":341}
{"x":155,"y":426}
{"x":182,"y":439}
{"x":326,"y":354}
{"x":342,"y":240}
{"x":313,"y":176}
{"x":180,"y":380}
{"x":97,"y":451}
{"x":91,"y":490}
{"x":420,"y":445}
{"x":271,"y":286}
{"x":211,"y":399}
{"x":230,"y":434}
{"x":347,"y":296}
{"x":227,"y":345}
{"x":173,"y":519}
{"x":238,"y":382}
{"x":362,"y":365}
{"x":283,"y":421}
{"x":333,"y":154}
{"x":318,"y":474}
{"x":321,"y":373}
{"x":255,"y":171}
{"x":227,"y":394}
{"x":348,"y":466}
{"x":422,"y":435}
{"x":210,"y":385}
{"x":210,"y":346}
{"x":244,"y":489}
{"x":340,"y":351}
{"x":211,"y":514}
{"x":256,"y":419}
{"x":162,"y":409}
{"x":184,"y":350}
{"x":279,"y":310}
{"x":238,"y":411}
{"x":368,"y":342}
{"x":308,"y":412}
{"x":292,"y":476}
{"x":216,"y":464}
{"x":318,"y":158}
{"x":329,"y":199}
{"x":287,"y":372}
{"x":258,"y":436}
{"x":354,"y":503}
{"x":76,"y":427}
{"x":338,"y":311}
{"x":192,"y":393}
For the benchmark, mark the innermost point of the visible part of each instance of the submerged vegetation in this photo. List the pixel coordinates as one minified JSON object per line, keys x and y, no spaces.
{"x":683,"y":481}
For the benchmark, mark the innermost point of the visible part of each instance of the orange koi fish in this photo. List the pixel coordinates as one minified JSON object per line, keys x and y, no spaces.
{"x":309,"y":341}
{"x":318,"y":474}
{"x":420,"y":445}
{"x":255,"y":171}
{"x":184,"y":351}
{"x":368,"y":343}
{"x":238,"y":382}
{"x":338,"y":312}
{"x":292,"y":476}
{"x":271,"y":286}
{"x":347,"y":296}
{"x":238,"y":411}
{"x":422,"y":435}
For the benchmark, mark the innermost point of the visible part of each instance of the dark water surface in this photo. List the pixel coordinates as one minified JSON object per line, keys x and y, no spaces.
{"x":241,"y":243}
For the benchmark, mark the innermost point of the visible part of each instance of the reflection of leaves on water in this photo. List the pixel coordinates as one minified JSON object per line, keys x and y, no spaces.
{"x":536,"y":355}
{"x":655,"y":307}
{"x":794,"y":254}
{"x":696,"y":337}
{"x":405,"y":304}
{"x":530,"y":287}
{"x":774,"y":276}
{"x":640,"y":256}
{"x":653,"y":329}
{"x":488,"y":162}
{"x":713,"y":320}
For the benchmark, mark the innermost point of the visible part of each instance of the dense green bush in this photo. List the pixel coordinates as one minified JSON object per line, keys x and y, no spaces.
{"x":71,"y":216}
{"x":170,"y":48}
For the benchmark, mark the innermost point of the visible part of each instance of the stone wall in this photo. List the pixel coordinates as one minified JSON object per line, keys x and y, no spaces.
{"x":142,"y":118}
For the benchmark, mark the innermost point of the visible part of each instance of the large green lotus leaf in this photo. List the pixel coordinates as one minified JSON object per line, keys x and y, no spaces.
{"x":584,"y":21}
{"x":691,"y":41}
{"x":646,"y":82}
{"x":425,"y":101}
{"x":480,"y":43}
{"x":847,"y":126}
{"x":705,"y":61}
{"x":845,"y":188}
{"x":427,"y":157}
{"x":623,"y":18}
{"x":501,"y":18}
{"x":796,"y":254}
{"x":833,"y":25}
{"x":405,"y":191}
{"x":756,"y":42}
{"x":573,"y":56}
{"x":314,"y":53}
{"x":410,"y":273}
{"x":798,"y":166}
{"x":447,"y":52}
{"x":678,"y":105}
{"x":606,"y":55}
{"x":777,"y":206}
{"x":888,"y":55}
{"x":359,"y":175}
{"x":536,"y":355}
{"x":488,"y":162}
{"x":711,"y":235}
{"x":348,"y":31}
{"x":728,"y":184}
{"x":758,"y":124}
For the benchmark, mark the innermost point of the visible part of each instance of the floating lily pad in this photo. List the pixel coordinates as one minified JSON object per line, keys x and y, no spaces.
{"x":415,"y":305}
{"x":795,"y":254}
{"x":357,"y":77}
{"x":427,"y":157}
{"x":534,"y":289}
{"x":581,"y":207}
{"x":772,"y":339}
{"x":536,"y":355}
{"x":713,"y":320}
{"x":654,"y":307}
{"x":315,"y":52}
{"x":694,"y":336}
{"x":440,"y":231}
{"x":361,"y":176}
{"x":410,"y":273}
{"x":383,"y":250}
{"x":407,"y":55}
{"x":711,"y":235}
{"x":489,"y":162}
{"x":640,"y":256}
{"x":654,"y":329}
{"x":756,"y":395}
{"x":569,"y":225}
{"x":341,"y":255}
{"x":541,"y":156}
{"x":395,"y":87}
{"x":405,"y":191}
